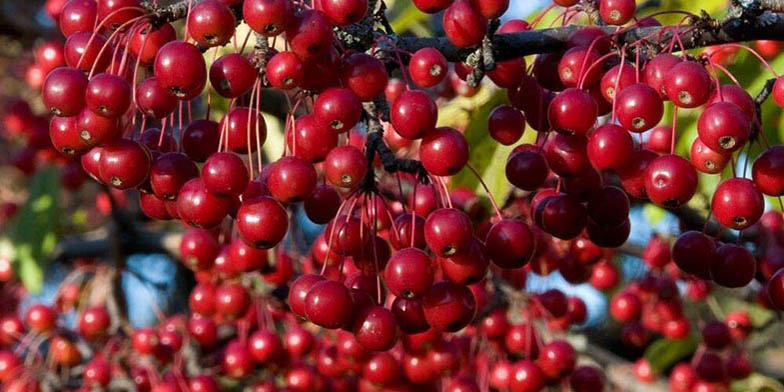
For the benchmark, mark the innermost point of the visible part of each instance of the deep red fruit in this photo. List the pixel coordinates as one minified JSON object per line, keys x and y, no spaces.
{"x":285,"y":71}
{"x":108,"y":95}
{"x":94,"y":322}
{"x":723,"y":127}
{"x":181,"y":70}
{"x":526,"y":375}
{"x":211,"y":23}
{"x":768,"y":171}
{"x":241,"y":122}
{"x":587,"y":378}
{"x":97,"y":372}
{"x":95,"y":129}
{"x":427,"y":67}
{"x":716,"y":335}
{"x":40,"y":318}
{"x":312,"y":139}
{"x":198,"y":207}
{"x":231,"y":300}
{"x":375,"y":328}
{"x":409,"y":273}
{"x":561,"y":216}
{"x":265,"y":347}
{"x":337,"y":108}
{"x":608,"y":206}
{"x":237,"y":360}
{"x":633,"y":175}
{"x":413,"y":114}
{"x":449,"y":307}
{"x":323,"y":204}
{"x":329,"y":304}
{"x":78,"y":16}
{"x":345,"y":166}
{"x":557,"y":359}
{"x":82,"y":52}
{"x":291,"y":179}
{"x":620,"y":76}
{"x":365,"y":75}
{"x":737,"y":203}
{"x":553,"y":302}
{"x":65,"y":136}
{"x":566,"y":155}
{"x":639,"y":108}
{"x":574,"y":67}
{"x":443,"y":151}
{"x":655,"y":72}
{"x":448,"y":231}
{"x":202,"y":299}
{"x":113,"y":13}
{"x":268,"y":17}
{"x":200,"y":139}
{"x":64,"y":90}
{"x":573,"y":112}
{"x":617,"y":12}
{"x":432,"y":6}
{"x":169,"y":172}
{"x":506,"y":124}
{"x":464,"y":26}
{"x":526,"y":168}
{"x":154,"y":101}
{"x":124,"y":164}
{"x":145,"y":44}
{"x":262,"y":222}
{"x":706,"y":160}
{"x":687,"y":84}
{"x":225,"y":174}
{"x":232,"y":75}
{"x":467,"y":268}
{"x":625,"y":307}
{"x":309,"y":34}
{"x":298,"y":291}
{"x":694,"y":253}
{"x":510,"y":243}
{"x":610,"y":147}
{"x":344,"y":12}
{"x":670,"y":181}
{"x":734,"y":267}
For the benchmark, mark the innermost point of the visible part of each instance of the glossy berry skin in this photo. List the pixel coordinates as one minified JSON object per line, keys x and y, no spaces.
{"x":299,"y":290}
{"x":365,"y":75}
{"x":237,"y":360}
{"x":94,"y":322}
{"x":526,"y":168}
{"x":153,"y":100}
{"x":232,"y":75}
{"x":409,"y":273}
{"x":587,"y":379}
{"x":108,"y":95}
{"x":97,"y":372}
{"x":621,"y":77}
{"x":427,"y":67}
{"x":639,"y":108}
{"x":706,"y":160}
{"x":506,"y":124}
{"x":467,"y":268}
{"x":265,"y":346}
{"x":432,"y":6}
{"x":526,"y":376}
{"x":113,"y":13}
{"x":561,"y":216}
{"x":737,"y":203}
{"x":211,"y":23}
{"x":312,"y":139}
{"x":268,"y":17}
{"x":181,"y":70}
{"x":625,"y":307}
{"x":768,"y":171}
{"x":375,"y":328}
{"x":670,"y":181}
{"x":225,"y":174}
{"x":345,"y":166}
{"x":688,"y":84}
{"x":240,"y":122}
{"x":337,"y":108}
{"x":775,"y":290}
{"x":448,"y":232}
{"x":617,"y":12}
{"x":309,"y":35}
{"x":573,"y":112}
{"x":144,"y":44}
{"x":78,"y":16}
{"x":291,"y":179}
{"x":716,"y":335}
{"x":608,"y":206}
{"x":633,"y":175}
{"x":413,"y":114}
{"x":65,"y":137}
{"x":198,"y":207}
{"x":723,"y":127}
{"x":323,"y":204}
{"x":285,"y":71}
{"x":556,"y":359}
{"x":735,"y":266}
{"x":566,"y":155}
{"x":262,"y":222}
{"x":510,"y":243}
{"x":329,"y":304}
{"x":610,"y":147}
{"x":443,"y":151}
{"x":64,"y":90}
{"x":464,"y":26}
{"x":124,"y":164}
{"x":571,"y":68}
{"x":169,"y":172}
{"x":231,"y":300}
{"x":82,"y":53}
{"x":449,"y":307}
{"x":344,"y":13}
{"x":694,"y":253}
{"x":202,"y":299}
{"x":40,"y":318}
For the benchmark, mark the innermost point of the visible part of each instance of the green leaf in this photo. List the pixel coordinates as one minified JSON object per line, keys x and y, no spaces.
{"x":487,"y":156}
{"x":32,"y":234}
{"x":664,"y":353}
{"x":757,"y":382}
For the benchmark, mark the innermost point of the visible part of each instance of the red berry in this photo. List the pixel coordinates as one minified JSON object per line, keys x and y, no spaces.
{"x":723,"y":127}
{"x":737,"y":203}
{"x":464,"y":26}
